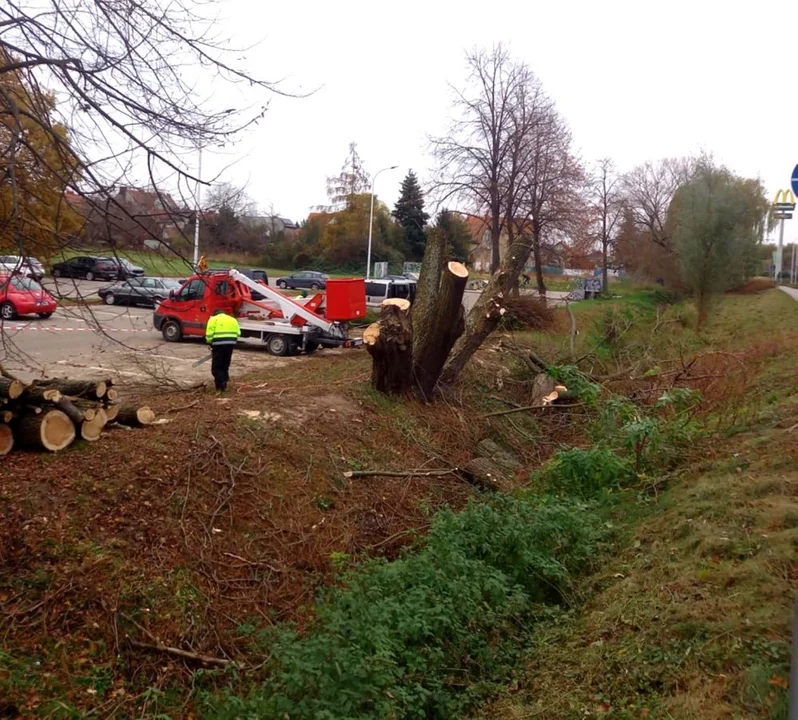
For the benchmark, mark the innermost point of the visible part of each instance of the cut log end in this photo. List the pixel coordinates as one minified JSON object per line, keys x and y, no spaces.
{"x":51,"y":430}
{"x":111,"y":412}
{"x":458,"y":269}
{"x":90,"y":430}
{"x":135,"y":417}
{"x":6,"y":440}
{"x":400,"y":303}
{"x":371,"y":334}
{"x":11,"y":389}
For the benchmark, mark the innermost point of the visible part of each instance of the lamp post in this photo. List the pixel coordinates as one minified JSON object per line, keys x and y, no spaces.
{"x":371,"y":218}
{"x":197,"y":211}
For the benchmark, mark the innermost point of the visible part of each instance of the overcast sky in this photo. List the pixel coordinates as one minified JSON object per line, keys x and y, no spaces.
{"x":635,"y":80}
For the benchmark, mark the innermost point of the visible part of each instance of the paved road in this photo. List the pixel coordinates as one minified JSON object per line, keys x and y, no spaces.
{"x":792,"y":292}
{"x":83,"y":341}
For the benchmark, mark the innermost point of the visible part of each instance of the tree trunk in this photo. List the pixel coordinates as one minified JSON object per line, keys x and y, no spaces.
{"x":51,"y":430}
{"x":390,"y":344}
{"x":37,"y":395}
{"x":78,"y":388}
{"x":488,"y":310}
{"x":605,"y":281}
{"x":443,"y":324}
{"x":538,"y":263}
{"x":6,"y":440}
{"x":72,"y":411}
{"x":11,"y":389}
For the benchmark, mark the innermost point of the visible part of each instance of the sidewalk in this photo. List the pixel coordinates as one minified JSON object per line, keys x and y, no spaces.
{"x":792,"y":292}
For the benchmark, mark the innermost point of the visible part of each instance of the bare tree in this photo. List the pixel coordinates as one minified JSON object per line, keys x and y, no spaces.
{"x":475,"y":156}
{"x":141,"y":86}
{"x":650,"y":189}
{"x":607,"y":207}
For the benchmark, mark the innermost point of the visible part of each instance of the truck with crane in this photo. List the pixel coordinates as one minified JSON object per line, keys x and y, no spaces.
{"x":285,"y":325}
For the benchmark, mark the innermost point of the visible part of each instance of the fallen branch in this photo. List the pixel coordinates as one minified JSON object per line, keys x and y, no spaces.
{"x":399,"y":473}
{"x":185,"y":654}
{"x":528,"y":408}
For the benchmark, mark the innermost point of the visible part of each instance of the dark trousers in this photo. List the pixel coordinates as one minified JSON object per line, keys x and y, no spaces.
{"x":221,"y":355}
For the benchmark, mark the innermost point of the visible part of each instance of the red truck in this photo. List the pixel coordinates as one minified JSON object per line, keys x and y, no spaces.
{"x":285,"y":325}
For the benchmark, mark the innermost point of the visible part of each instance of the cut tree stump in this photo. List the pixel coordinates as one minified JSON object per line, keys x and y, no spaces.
{"x":90,"y":430}
{"x":89,"y":389}
{"x":6,"y":440}
{"x":135,"y":416}
{"x":437,"y":326}
{"x":49,"y":430}
{"x":390,"y":344}
{"x":11,"y":389}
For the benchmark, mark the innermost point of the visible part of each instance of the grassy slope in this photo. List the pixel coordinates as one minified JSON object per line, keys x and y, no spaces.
{"x":691,"y":618}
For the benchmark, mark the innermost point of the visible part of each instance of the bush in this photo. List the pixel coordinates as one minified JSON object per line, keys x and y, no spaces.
{"x":585,"y":473}
{"x":428,"y":635}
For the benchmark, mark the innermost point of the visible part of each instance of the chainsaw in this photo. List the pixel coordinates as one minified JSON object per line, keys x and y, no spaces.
{"x":201,"y":361}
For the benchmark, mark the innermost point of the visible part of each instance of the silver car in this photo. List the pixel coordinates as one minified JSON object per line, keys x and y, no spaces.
{"x":24,"y":266}
{"x":138,"y":291}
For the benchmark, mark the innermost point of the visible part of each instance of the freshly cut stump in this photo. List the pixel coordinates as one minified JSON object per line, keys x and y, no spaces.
{"x":390,"y":344}
{"x":51,"y":430}
{"x":6,"y":440}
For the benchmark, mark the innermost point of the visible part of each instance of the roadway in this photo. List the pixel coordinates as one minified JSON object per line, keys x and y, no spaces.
{"x":88,"y":340}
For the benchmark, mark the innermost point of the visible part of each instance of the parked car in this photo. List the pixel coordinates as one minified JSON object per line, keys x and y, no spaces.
{"x":126,"y":269}
{"x":23,"y":296}
{"x":304,"y":279}
{"x":19,"y":265}
{"x":138,"y":291}
{"x":383,"y":288}
{"x":259,"y":276}
{"x":85,"y":266}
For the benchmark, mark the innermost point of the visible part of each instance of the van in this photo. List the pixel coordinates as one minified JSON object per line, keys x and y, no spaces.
{"x":385,"y":288}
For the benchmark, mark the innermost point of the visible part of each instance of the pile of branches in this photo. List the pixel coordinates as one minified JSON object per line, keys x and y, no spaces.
{"x":50,"y":414}
{"x":527,"y":312}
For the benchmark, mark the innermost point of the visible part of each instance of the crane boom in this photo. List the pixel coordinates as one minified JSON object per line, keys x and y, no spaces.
{"x":288,"y":306}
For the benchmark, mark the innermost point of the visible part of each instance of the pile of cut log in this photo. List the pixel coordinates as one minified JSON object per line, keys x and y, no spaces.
{"x":50,"y":414}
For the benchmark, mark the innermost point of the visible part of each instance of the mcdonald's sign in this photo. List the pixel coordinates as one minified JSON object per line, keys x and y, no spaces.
{"x":785,"y":198}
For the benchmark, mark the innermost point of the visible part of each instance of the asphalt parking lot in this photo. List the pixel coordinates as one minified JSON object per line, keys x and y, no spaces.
{"x":89,"y":340}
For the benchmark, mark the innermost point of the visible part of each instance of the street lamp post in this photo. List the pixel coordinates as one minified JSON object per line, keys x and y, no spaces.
{"x":197,"y":211}
{"x":371,"y":218}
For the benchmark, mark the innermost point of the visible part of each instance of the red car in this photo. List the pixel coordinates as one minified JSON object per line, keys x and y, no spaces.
{"x":23,"y":296}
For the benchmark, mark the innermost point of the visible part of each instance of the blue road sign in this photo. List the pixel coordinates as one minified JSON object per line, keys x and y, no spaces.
{"x":794,"y":181}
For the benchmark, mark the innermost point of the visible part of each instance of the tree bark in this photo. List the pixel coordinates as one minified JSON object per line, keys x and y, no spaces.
{"x":488,"y":310}
{"x":443,"y":321}
{"x":74,"y":413}
{"x":37,"y":395}
{"x":135,"y":417}
{"x":78,"y":388}
{"x":390,"y":344}
{"x":51,"y":430}
{"x":6,"y":440}
{"x":538,"y":262}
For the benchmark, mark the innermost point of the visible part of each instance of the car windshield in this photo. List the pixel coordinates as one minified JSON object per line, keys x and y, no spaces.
{"x":25,"y":284}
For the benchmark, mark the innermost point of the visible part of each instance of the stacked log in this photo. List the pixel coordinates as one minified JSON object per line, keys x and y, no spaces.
{"x":49,"y":415}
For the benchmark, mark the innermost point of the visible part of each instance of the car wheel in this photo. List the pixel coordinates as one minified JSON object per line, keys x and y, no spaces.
{"x":171,"y":331}
{"x":282,"y":285}
{"x":56,"y":273}
{"x":315,"y":286}
{"x":278,"y":345}
{"x":109,"y":299}
{"x":44,"y":316}
{"x":7,"y":311}
{"x":90,"y":275}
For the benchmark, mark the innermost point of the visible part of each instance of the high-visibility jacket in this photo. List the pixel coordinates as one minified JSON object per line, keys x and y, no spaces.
{"x":222,"y":330}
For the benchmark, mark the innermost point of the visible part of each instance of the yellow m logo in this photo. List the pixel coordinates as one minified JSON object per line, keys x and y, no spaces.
{"x":784,"y":197}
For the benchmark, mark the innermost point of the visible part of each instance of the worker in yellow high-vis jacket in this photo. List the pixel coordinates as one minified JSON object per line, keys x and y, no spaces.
{"x":221,"y":333}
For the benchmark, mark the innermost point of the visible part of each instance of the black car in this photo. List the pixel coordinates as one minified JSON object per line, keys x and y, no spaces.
{"x":139,"y":291}
{"x":85,"y":266}
{"x":259,"y":276}
{"x":126,"y":268}
{"x":303,"y":279}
